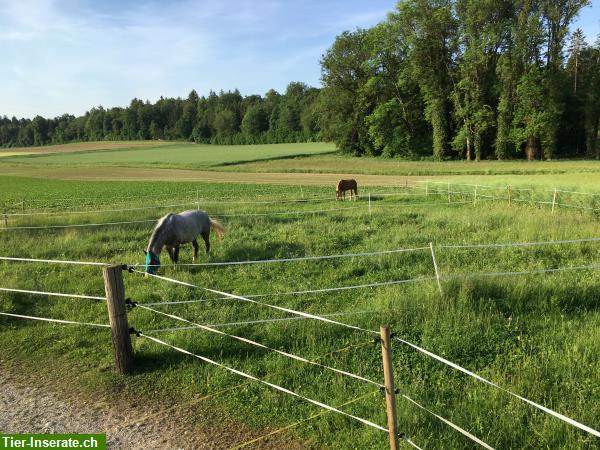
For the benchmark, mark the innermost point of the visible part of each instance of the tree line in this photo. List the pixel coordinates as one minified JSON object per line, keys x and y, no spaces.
{"x":468,"y":79}
{"x":224,"y":118}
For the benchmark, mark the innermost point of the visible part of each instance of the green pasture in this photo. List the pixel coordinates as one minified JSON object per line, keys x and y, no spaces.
{"x":537,"y":335}
{"x":176,"y":155}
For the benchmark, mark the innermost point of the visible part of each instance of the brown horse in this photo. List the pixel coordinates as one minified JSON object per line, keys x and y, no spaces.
{"x":346,"y":185}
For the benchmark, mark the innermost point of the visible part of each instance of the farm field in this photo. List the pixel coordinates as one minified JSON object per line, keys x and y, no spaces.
{"x":176,"y":155}
{"x":79,"y":147}
{"x":282,"y":164}
{"x":535,"y":334}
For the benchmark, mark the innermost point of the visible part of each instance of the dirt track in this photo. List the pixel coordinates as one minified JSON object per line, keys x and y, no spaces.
{"x":26,"y":406}
{"x":149,"y":174}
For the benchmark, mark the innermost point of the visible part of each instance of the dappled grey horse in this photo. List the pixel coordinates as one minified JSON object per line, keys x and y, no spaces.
{"x":173,"y":230}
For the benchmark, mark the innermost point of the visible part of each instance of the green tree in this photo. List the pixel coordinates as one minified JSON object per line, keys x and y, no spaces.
{"x":430,"y":30}
{"x":344,"y":72}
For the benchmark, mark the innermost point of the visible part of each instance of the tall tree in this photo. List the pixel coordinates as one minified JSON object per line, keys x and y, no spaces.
{"x":430,"y":30}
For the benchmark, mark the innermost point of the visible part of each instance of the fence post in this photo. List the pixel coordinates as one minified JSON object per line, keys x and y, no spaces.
{"x":509,"y":199}
{"x":23,"y":206}
{"x":554,"y":200}
{"x":435,"y":266}
{"x":198,"y":199}
{"x":448,"y":192}
{"x":475,"y":195}
{"x":117,"y":316}
{"x":5,"y":218}
{"x":369,"y":203}
{"x":427,"y":189}
{"x":390,"y":391}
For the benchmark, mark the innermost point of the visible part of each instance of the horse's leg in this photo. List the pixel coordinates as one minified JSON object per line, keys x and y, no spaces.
{"x":195,"y":245}
{"x":171,"y":255}
{"x":206,"y":237}
{"x":176,"y":254}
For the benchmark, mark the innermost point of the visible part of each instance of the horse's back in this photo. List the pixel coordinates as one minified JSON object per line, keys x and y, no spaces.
{"x":189,"y":224}
{"x":344,"y":185}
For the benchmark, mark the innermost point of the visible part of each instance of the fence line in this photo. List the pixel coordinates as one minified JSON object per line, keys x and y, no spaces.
{"x":447,"y":422}
{"x":253,"y":322}
{"x":525,"y":272}
{"x":491,"y":383}
{"x":520,"y":244}
{"x":190,"y":202}
{"x":76,"y":225}
{"x":487,"y":186}
{"x":45,"y":319}
{"x":52,"y":294}
{"x":96,"y":211}
{"x":258,"y":344}
{"x":300,"y":258}
{"x":422,"y":350}
{"x":285,"y":213}
{"x":267,"y":383}
{"x":574,"y":192}
{"x":318,"y":257}
{"x":363,"y":286}
{"x":54,"y":261}
{"x":154,"y":220}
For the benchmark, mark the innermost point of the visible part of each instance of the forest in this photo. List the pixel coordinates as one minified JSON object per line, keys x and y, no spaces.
{"x":441,"y":79}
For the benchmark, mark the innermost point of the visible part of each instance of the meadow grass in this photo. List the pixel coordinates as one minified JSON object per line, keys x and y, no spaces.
{"x":177,"y":155}
{"x":537,"y":335}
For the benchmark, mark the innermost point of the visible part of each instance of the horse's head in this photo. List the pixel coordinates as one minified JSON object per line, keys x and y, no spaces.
{"x":152,"y":262}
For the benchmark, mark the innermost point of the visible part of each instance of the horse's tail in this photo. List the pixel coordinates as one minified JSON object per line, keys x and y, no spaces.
{"x":217,"y":227}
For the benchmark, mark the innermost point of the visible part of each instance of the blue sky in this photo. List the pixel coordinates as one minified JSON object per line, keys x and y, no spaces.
{"x":69,"y":55}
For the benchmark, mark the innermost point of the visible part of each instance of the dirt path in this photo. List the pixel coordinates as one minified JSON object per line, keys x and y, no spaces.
{"x":150,"y":174}
{"x":31,"y":408}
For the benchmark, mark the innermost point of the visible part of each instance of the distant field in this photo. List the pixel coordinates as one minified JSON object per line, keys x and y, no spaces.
{"x":386,"y":166}
{"x":176,"y":155}
{"x":79,"y":147}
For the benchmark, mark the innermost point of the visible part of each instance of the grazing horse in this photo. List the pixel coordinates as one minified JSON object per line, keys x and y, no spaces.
{"x":173,"y":230}
{"x":346,"y":185}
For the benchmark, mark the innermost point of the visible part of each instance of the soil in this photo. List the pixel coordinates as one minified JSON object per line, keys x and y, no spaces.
{"x":28,"y":406}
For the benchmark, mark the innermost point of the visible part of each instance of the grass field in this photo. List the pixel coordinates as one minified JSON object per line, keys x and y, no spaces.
{"x":293,"y":164}
{"x":80,"y":147}
{"x":176,"y":155}
{"x":537,"y":335}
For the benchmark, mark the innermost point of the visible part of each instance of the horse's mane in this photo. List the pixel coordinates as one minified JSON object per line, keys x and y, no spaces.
{"x":159,"y":229}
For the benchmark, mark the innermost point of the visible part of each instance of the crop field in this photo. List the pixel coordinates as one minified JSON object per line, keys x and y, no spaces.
{"x":79,"y":147}
{"x":175,"y":155}
{"x":524,"y":316}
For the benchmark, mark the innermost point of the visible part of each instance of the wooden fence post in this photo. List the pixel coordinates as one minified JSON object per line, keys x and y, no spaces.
{"x":198,"y":199}
{"x":427,"y":189}
{"x":448,"y":192}
{"x":117,"y":316}
{"x":475,"y":195}
{"x":554,"y":200}
{"x":390,"y":391}
{"x":369,"y":203}
{"x":509,"y":199}
{"x":5,"y":218}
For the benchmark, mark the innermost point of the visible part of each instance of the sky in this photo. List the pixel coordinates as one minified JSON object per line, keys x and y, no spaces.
{"x":66,"y":56}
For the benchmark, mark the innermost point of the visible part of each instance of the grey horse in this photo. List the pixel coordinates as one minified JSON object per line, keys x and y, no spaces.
{"x":173,"y":230}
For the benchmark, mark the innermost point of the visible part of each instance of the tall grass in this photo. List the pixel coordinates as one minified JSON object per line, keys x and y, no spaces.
{"x":537,"y":335}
